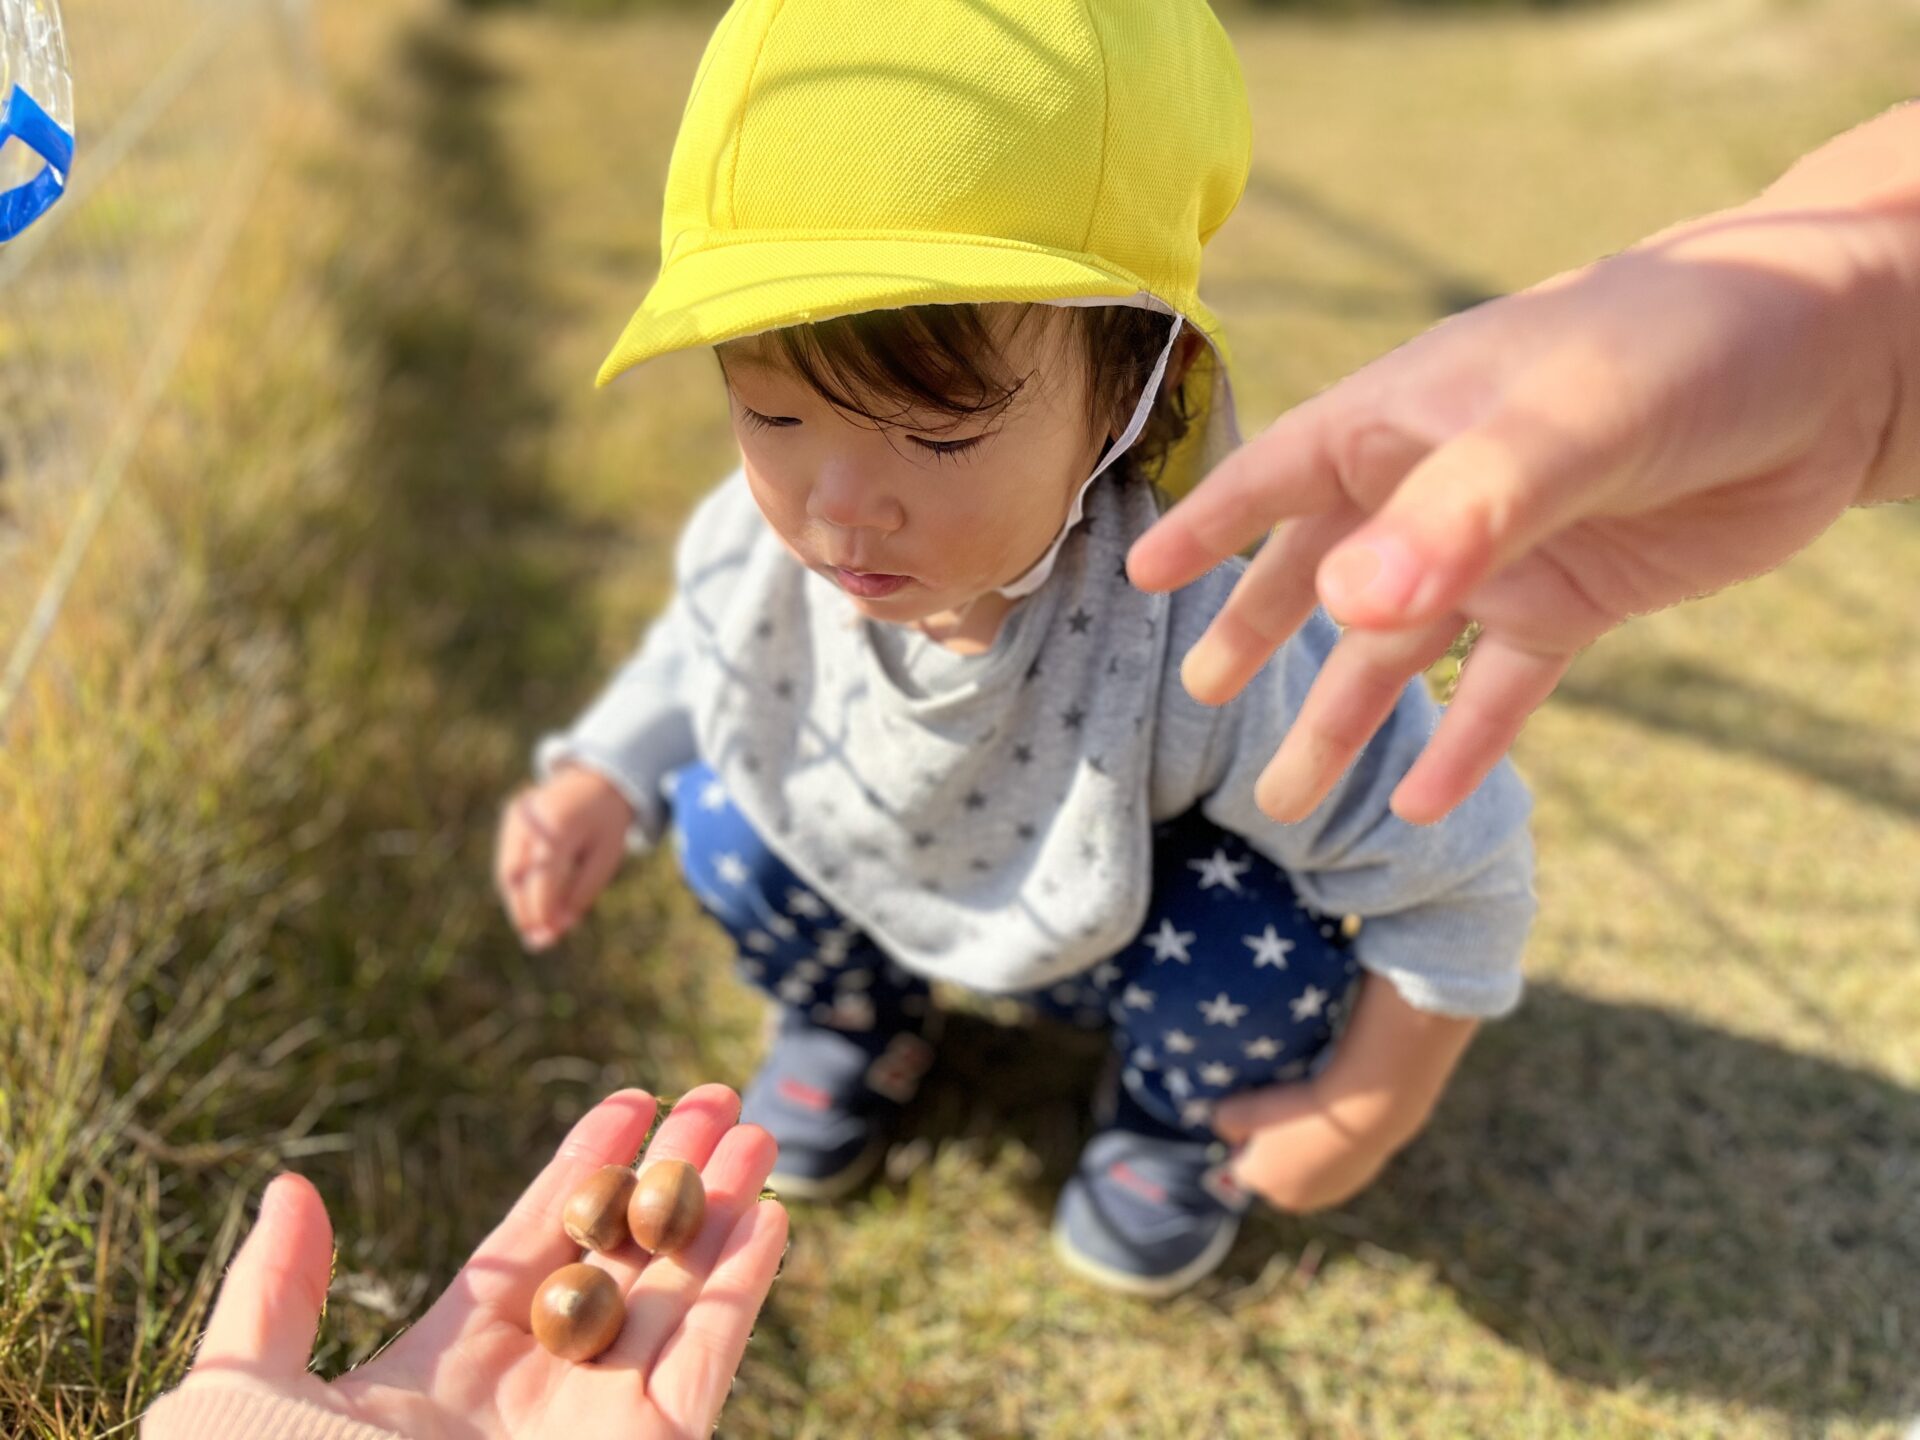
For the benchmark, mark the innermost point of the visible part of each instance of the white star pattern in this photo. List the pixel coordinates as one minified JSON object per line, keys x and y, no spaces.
{"x":783,"y":927}
{"x":732,"y":869}
{"x":1220,"y":869}
{"x":1136,"y":998}
{"x":853,"y":1012}
{"x":1105,"y":973}
{"x":1269,"y":948}
{"x":1178,"y":1042}
{"x":1265,"y":1048}
{"x":796,"y":990}
{"x":1214,"y":1073}
{"x":805,"y":902}
{"x":832,"y":945}
{"x":1142,"y":1057}
{"x":713,"y":796}
{"x":1132,"y":1078}
{"x":761,"y":941}
{"x":1196,"y":1112}
{"x":856,"y":979}
{"x":753,"y":968}
{"x":1170,"y":944}
{"x":809,"y":971}
{"x":1178,"y":1085}
{"x":1222,"y":1011}
{"x":1309,"y":1003}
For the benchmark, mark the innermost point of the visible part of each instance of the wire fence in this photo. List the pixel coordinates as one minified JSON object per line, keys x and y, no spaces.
{"x":175,"y":106}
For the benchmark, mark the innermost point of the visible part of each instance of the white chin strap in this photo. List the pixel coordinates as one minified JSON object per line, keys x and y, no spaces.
{"x":1042,"y":568}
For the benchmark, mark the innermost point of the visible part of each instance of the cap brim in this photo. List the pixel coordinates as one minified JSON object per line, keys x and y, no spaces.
{"x":745,"y":287}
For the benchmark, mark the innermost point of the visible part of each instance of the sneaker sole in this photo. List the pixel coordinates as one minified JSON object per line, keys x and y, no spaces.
{"x":831,"y":1187}
{"x":1158,"y":1287}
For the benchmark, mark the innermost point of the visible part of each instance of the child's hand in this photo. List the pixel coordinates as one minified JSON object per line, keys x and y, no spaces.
{"x":1301,"y":1152}
{"x":1314,"y":1143}
{"x":558,"y":846}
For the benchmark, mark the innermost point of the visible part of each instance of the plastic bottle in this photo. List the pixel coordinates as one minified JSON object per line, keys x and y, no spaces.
{"x":36,"y":112}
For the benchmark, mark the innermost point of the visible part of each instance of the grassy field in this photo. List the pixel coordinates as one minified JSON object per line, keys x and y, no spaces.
{"x":386,"y":532}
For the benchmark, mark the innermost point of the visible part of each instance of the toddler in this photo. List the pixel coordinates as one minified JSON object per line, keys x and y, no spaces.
{"x":904,"y":715}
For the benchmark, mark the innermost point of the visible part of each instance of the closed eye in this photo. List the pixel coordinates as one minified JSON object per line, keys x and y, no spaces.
{"x":937,"y":448}
{"x":948,"y":447}
{"x":762,"y":422}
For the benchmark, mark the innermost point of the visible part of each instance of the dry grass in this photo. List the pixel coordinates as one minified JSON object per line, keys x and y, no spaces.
{"x":388,"y":531}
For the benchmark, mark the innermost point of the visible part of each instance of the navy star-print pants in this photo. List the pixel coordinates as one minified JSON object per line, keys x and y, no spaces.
{"x":1233,"y":984}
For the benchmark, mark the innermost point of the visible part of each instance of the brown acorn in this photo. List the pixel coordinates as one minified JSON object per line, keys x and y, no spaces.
{"x":577,"y":1311}
{"x":596,"y":1213}
{"x":668,"y":1205}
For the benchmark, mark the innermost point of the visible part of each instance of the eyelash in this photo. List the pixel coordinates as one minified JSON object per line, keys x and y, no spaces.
{"x":940,"y":449}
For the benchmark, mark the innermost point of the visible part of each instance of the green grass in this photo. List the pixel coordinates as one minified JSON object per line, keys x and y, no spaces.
{"x":387,"y":532}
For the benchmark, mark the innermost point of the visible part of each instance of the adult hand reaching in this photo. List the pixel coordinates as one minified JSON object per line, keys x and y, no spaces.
{"x":470,"y":1368}
{"x":1657,"y":426}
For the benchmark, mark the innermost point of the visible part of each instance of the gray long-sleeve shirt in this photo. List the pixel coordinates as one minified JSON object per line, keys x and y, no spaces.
{"x":988,"y":820}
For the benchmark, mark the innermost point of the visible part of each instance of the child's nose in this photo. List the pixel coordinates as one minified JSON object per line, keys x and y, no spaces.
{"x":852,"y":497}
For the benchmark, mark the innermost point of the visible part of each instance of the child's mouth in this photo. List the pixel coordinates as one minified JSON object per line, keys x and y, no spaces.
{"x":869,"y":586}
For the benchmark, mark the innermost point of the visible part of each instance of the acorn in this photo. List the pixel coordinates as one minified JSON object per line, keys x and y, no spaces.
{"x":668,"y":1205}
{"x":577,"y":1311}
{"x":596,"y":1213}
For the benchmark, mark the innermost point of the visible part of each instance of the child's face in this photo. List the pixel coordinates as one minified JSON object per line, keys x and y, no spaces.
{"x":913,"y":523}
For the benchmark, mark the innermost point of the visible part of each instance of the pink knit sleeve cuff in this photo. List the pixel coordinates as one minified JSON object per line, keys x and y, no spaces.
{"x":234,"y":1412}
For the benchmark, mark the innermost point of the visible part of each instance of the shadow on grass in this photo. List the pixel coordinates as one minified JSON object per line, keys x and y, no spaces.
{"x":1431,"y":289}
{"x":1683,"y":697}
{"x":432,"y":584}
{"x":1637,"y":1198}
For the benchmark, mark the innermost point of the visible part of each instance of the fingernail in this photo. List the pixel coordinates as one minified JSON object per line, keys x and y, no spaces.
{"x":274,"y":1203}
{"x":1377,"y":575}
{"x":1290,"y":777}
{"x":1204,"y":671}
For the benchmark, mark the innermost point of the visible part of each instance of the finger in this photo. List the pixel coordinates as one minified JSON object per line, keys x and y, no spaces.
{"x":546,"y":881}
{"x":504,"y":846}
{"x":498,"y":1282}
{"x":698,"y":1362}
{"x":534,"y":815}
{"x":693,"y":1130}
{"x":1479,"y":501}
{"x":269,"y":1305}
{"x":1499,"y":687}
{"x":1355,"y":691}
{"x":1286,"y":470}
{"x":1267,"y":605}
{"x":671,"y":1285}
{"x":596,"y":868}
{"x":511,"y":869}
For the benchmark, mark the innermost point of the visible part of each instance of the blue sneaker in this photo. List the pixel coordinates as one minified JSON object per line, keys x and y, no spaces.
{"x":830,"y":1099}
{"x":1148,"y":1210}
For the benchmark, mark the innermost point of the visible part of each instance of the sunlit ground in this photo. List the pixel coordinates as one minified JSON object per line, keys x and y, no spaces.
{"x":389,"y":531}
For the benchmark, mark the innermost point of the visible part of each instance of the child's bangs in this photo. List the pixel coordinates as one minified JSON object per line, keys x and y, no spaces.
{"x":900,"y":366}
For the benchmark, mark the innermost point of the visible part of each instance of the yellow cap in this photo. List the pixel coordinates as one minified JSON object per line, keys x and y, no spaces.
{"x":838,"y":156}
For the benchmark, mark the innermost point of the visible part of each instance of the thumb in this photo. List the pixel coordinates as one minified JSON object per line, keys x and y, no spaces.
{"x":1238,"y":1116}
{"x":270,"y":1303}
{"x":1473,"y":505}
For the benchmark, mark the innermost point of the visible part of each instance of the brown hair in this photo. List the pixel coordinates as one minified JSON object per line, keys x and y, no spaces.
{"x":881,"y":364}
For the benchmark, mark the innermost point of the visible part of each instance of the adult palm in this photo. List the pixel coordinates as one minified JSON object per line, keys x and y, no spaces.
{"x":470,"y":1369}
